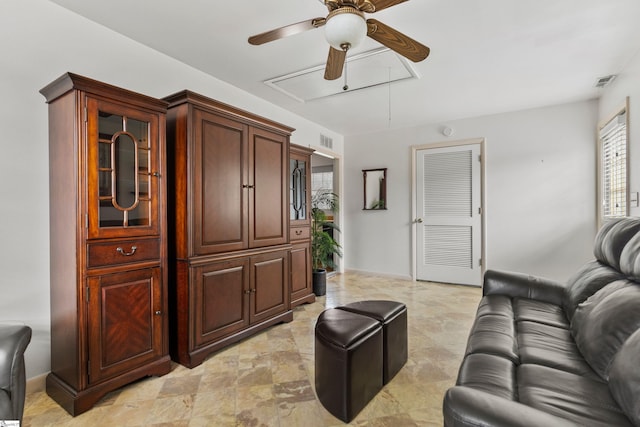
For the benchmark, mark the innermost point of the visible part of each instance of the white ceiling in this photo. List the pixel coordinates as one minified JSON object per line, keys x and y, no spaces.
{"x":487,"y":56}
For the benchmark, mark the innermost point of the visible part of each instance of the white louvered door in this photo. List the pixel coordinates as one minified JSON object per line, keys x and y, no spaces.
{"x":449,"y":221}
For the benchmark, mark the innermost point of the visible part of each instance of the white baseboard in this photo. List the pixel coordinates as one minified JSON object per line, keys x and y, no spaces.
{"x":375,"y":273}
{"x":37,"y":384}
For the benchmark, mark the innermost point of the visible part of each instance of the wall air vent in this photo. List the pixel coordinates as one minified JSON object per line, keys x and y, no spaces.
{"x":326,"y":142}
{"x":603,"y":81}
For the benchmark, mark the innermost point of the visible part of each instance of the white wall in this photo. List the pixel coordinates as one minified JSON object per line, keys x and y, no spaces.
{"x":627,"y":84}
{"x":40,"y":42}
{"x":540,"y":191}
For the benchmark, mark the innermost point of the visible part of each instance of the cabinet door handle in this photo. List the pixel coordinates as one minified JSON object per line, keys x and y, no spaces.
{"x":158,"y":313}
{"x":121,"y":251}
{"x":156,"y":174}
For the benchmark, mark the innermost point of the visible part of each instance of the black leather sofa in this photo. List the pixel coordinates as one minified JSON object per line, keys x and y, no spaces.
{"x":543,"y":353}
{"x":14,"y":340}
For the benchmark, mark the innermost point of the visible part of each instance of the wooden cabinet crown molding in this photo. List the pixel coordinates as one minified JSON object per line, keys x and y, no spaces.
{"x":226,"y":110}
{"x":71,"y":81}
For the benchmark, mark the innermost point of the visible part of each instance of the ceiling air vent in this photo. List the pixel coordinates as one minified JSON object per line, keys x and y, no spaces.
{"x":326,"y":142}
{"x":603,"y":81}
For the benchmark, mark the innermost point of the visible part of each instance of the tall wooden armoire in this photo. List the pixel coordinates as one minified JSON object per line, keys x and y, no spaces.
{"x":228,"y":225}
{"x":109,"y":322}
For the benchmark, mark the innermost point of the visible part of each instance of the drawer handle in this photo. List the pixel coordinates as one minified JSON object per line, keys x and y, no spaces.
{"x":133,"y":251}
{"x":298,"y":232}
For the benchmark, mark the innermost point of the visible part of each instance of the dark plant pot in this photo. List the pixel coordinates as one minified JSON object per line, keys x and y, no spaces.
{"x":320,"y":282}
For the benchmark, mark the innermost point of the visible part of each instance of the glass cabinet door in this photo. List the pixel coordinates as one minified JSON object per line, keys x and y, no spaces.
{"x":298,"y":189}
{"x":122,"y":170}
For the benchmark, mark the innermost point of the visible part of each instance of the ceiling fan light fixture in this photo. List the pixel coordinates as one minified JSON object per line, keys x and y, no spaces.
{"x":345,"y":28}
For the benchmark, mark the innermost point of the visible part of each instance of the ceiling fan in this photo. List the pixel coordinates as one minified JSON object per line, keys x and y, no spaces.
{"x":345,"y":27}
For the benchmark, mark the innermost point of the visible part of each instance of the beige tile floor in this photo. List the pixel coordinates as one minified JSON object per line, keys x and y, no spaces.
{"x":268,"y":379}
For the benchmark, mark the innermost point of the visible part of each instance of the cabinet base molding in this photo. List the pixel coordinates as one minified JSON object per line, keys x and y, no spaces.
{"x":311,"y":298}
{"x":75,"y":402}
{"x":197,"y":356}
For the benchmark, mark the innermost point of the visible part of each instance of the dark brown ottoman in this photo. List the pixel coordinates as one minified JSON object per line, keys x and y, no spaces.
{"x":348,"y":361}
{"x":392,"y":316}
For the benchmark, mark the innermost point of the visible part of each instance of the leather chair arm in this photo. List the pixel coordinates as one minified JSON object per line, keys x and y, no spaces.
{"x":467,"y":407}
{"x":497,"y":282}
{"x":14,"y":340}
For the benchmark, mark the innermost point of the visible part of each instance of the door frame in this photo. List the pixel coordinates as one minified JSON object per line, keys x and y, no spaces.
{"x":414,"y":197}
{"x":338,"y":189}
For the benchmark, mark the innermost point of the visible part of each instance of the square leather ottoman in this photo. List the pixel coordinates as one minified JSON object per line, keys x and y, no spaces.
{"x":392,"y":316}
{"x":348,"y":361}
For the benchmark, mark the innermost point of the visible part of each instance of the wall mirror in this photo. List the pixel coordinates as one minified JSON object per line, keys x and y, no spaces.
{"x":375,"y":189}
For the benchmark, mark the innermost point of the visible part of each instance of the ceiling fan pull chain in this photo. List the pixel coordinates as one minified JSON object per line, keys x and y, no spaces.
{"x":346,"y":86}
{"x":345,"y":47}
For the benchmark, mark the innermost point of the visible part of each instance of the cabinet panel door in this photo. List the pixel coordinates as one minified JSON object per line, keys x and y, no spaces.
{"x":268,"y":169}
{"x":300,"y":269}
{"x":220,"y":184}
{"x":123,"y":170}
{"x":125,"y":322}
{"x":269,"y":285}
{"x":220,"y":299}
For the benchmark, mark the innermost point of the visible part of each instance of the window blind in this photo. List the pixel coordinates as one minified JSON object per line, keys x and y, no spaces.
{"x":613,"y":143}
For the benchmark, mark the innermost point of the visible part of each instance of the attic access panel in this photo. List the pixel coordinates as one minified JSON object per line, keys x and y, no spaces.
{"x":373,"y":68}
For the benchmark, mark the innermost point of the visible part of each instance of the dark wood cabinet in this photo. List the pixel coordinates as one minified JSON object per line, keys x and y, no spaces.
{"x":228,"y":225}
{"x":300,"y":221}
{"x":109,"y":323}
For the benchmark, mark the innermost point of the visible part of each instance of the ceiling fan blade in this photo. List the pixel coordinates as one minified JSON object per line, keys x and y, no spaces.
{"x":335,"y":64}
{"x":286,"y":31}
{"x":383,"y":4}
{"x":396,"y":41}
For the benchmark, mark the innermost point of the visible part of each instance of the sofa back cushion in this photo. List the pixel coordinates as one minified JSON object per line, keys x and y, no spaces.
{"x":603,"y":323}
{"x":624,"y":378}
{"x":630,"y":258}
{"x":611,"y":239}
{"x":585,"y":282}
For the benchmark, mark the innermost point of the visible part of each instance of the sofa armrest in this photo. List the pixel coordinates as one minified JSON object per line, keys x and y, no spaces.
{"x":467,"y":407}
{"x":498,"y":282}
{"x":14,"y":340}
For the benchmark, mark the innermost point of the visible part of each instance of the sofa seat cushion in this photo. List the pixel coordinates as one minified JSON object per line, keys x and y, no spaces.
{"x":539,"y":311}
{"x":552,"y":347}
{"x":495,"y":305}
{"x":493,"y":334}
{"x":582,"y":400}
{"x":523,"y":309}
{"x":487,"y":372}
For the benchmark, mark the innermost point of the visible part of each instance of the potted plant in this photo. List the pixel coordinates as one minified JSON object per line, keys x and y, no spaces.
{"x":323,"y":245}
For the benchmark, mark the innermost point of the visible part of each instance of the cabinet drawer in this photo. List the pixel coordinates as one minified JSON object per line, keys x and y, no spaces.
{"x":300,"y":233}
{"x":122,"y":252}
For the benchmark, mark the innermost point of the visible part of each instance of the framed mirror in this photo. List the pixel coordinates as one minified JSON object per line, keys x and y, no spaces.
{"x":375,"y":189}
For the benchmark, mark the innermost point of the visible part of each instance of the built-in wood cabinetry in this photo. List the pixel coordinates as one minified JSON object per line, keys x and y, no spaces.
{"x":300,"y":222}
{"x":109,"y":323}
{"x":228,"y":225}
